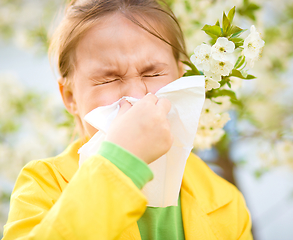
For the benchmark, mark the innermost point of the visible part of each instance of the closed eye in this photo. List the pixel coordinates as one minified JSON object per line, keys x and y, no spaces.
{"x":152,"y":75}
{"x":106,"y":81}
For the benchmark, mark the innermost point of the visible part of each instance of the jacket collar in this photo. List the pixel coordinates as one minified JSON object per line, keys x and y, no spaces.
{"x":204,"y":186}
{"x":67,"y":162}
{"x":202,"y":192}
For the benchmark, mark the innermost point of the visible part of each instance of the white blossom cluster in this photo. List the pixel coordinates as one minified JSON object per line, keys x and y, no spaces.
{"x":215,"y":61}
{"x":218,"y":61}
{"x":35,"y":125}
{"x":280,"y":153}
{"x":212,"y":120}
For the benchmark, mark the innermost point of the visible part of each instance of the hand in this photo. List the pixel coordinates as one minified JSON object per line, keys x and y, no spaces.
{"x":143,"y":129}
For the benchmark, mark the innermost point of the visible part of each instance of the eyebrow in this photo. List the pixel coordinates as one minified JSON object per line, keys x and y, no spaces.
{"x":153,"y":67}
{"x":104,"y":72}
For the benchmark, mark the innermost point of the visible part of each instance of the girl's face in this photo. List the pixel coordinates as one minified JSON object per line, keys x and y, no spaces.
{"x":117,"y":58}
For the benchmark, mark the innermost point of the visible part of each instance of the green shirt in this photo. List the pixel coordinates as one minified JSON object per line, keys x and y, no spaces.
{"x":157,"y":223}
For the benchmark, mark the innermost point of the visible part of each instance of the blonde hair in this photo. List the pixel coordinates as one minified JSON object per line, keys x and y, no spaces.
{"x":81,"y":15}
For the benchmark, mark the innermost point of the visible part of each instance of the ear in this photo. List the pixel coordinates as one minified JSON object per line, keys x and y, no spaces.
{"x":180,"y":68}
{"x":67,"y":96}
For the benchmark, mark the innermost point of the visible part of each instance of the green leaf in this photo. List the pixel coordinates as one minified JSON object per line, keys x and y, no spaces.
{"x":239,"y":62}
{"x":237,"y":41}
{"x":217,"y":23}
{"x":226,"y":24}
{"x":214,"y":37}
{"x":229,"y":93}
{"x":221,"y":92}
{"x":239,"y":44}
{"x":188,"y":73}
{"x":237,"y":73}
{"x":212,"y":30}
{"x":231,"y":14}
{"x":236,"y":31}
{"x":237,"y":102}
{"x":236,"y":34}
{"x":224,"y":80}
{"x":193,"y":68}
{"x":253,"y":7}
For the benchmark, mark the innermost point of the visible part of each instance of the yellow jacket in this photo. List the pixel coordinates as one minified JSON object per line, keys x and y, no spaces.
{"x":101,"y":202}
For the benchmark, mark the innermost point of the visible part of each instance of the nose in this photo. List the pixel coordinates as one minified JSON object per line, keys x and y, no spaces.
{"x":134,"y":87}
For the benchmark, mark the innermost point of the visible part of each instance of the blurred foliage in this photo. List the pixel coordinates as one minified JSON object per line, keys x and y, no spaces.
{"x":27,"y":22}
{"x":248,"y":9}
{"x":33,"y":125}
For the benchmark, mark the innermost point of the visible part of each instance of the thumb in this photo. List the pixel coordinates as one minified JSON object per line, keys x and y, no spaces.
{"x":124,"y":106}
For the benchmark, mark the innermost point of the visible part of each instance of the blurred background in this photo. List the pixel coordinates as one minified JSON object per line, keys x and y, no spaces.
{"x":255,"y":153}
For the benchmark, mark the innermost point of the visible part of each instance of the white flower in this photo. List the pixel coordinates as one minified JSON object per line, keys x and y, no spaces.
{"x":221,"y":67}
{"x":213,"y":112}
{"x":222,"y":49}
{"x":206,"y":137}
{"x":212,"y":80}
{"x":224,"y":103}
{"x":268,"y":158}
{"x":222,"y":120}
{"x":210,"y":107}
{"x":253,"y":45}
{"x":210,"y":84}
{"x":213,"y":76}
{"x":211,"y":123}
{"x":201,"y":57}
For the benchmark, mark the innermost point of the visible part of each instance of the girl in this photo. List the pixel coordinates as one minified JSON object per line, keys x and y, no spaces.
{"x":107,"y":49}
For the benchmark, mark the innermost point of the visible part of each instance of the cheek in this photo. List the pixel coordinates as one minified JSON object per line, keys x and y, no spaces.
{"x":156,"y":83}
{"x":94,"y":97}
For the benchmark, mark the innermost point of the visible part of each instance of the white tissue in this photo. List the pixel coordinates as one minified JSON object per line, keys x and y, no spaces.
{"x":187,"y":96}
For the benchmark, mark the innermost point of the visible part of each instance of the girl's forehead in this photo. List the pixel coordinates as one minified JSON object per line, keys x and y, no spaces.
{"x":116,"y":38}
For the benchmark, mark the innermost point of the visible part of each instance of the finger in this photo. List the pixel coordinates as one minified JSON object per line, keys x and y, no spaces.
{"x":150,"y":97}
{"x":124,"y":106}
{"x":164,"y":104}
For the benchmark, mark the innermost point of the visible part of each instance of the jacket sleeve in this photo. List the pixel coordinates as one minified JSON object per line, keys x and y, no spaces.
{"x":100,"y":202}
